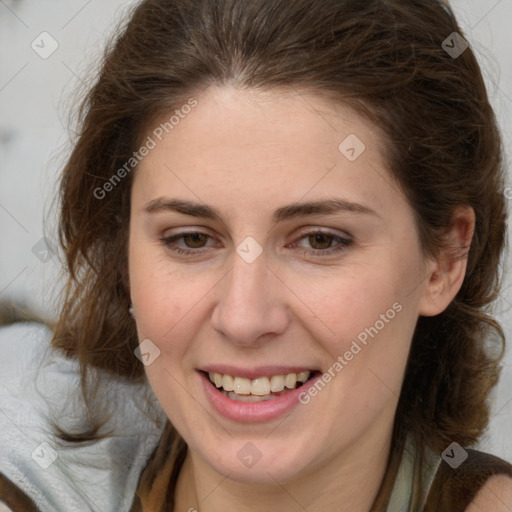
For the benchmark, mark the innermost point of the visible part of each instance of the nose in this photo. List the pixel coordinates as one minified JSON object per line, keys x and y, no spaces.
{"x":251,"y":306}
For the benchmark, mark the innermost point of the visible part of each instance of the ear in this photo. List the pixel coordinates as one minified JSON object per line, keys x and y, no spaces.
{"x":446,"y":274}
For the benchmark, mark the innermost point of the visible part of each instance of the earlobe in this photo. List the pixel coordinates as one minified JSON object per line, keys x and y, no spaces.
{"x":434,"y":297}
{"x":446,"y":274}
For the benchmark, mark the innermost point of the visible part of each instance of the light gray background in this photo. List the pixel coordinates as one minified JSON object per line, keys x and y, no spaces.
{"x":35,"y":96}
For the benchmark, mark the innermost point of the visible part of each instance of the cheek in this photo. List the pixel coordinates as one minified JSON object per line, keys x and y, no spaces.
{"x":161,"y":295}
{"x":344,"y":303}
{"x":167,"y":305}
{"x":164,"y":310}
{"x":364,"y":318}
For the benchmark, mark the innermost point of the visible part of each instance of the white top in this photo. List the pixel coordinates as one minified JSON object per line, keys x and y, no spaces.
{"x":37,"y":385}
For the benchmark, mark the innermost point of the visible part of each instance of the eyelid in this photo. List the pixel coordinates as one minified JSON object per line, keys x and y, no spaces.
{"x":167,"y":239}
{"x":187,"y":230}
{"x":309,"y":230}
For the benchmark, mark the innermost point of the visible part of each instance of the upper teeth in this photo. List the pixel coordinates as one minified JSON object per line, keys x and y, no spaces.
{"x":260,"y":386}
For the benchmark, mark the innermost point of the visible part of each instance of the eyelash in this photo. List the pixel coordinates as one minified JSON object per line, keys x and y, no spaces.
{"x":342,"y":245}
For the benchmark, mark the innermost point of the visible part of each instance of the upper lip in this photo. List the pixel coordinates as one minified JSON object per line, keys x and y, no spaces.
{"x":254,"y":372}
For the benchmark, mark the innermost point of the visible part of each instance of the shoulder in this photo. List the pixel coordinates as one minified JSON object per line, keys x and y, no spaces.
{"x":472,"y":486}
{"x":25,"y":364}
{"x":25,"y":354}
{"x":39,"y":386}
{"x":494,"y":496}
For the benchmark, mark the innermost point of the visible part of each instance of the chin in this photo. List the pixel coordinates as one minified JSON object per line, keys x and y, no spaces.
{"x":260,"y":461}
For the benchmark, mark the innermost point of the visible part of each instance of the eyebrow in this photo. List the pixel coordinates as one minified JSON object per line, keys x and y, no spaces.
{"x":328,"y":206}
{"x":162,"y":204}
{"x":288,"y":212}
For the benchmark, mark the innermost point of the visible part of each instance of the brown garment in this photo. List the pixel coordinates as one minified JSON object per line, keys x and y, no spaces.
{"x":452,"y":489}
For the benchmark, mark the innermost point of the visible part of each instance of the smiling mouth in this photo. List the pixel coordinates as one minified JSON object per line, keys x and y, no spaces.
{"x":242,"y":389}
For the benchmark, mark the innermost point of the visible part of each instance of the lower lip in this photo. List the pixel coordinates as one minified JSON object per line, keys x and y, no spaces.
{"x":252,"y":412}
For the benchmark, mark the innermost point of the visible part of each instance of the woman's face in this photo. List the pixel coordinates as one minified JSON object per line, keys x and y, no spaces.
{"x":268,"y":240}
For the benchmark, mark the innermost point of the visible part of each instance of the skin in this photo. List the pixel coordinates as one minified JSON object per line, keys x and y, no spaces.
{"x":495,"y":496}
{"x":248,"y":153}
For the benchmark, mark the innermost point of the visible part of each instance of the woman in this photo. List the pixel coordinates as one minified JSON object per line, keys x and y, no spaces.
{"x":287,"y":218}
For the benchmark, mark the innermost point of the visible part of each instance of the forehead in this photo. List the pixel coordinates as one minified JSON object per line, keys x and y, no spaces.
{"x":262,"y":144}
{"x":241,"y":119}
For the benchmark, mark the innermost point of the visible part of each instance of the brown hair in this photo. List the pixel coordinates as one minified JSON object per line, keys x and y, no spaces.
{"x":382,"y":57}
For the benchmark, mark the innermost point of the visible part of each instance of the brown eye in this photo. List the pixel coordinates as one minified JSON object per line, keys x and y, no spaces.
{"x":320,"y":240}
{"x":195,"y":240}
{"x":192,"y":243}
{"x":320,"y":243}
